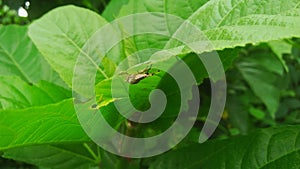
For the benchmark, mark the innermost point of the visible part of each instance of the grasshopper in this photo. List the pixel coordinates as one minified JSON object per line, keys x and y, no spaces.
{"x":137,"y":77}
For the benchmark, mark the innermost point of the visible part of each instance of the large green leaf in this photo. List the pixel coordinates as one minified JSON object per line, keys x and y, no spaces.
{"x":228,"y":23}
{"x":53,"y":123}
{"x":19,"y":57}
{"x":61,"y":156}
{"x":17,"y":94}
{"x":236,"y":23}
{"x":60,"y":34}
{"x":268,"y":148}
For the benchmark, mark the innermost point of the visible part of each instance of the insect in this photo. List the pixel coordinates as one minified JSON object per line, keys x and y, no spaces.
{"x":137,"y":77}
{"x":96,"y":106}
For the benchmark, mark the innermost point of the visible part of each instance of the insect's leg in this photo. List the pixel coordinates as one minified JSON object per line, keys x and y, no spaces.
{"x":147,"y":69}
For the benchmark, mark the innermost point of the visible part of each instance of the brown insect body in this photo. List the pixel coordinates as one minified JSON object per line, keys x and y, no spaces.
{"x":137,"y":77}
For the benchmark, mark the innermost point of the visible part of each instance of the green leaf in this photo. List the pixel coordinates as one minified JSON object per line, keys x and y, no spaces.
{"x":53,"y":123}
{"x":19,"y":57}
{"x":60,"y":39}
{"x":180,"y":8}
{"x":268,"y":148}
{"x":237,"y":106}
{"x":55,"y":92}
{"x":259,"y":74}
{"x":240,"y":22}
{"x":111,"y":11}
{"x":286,"y":106}
{"x":227,"y":56}
{"x":61,"y":156}
{"x":227,"y":23}
{"x":280,"y":48}
{"x":17,"y":94}
{"x":257,"y":113}
{"x":116,"y":162}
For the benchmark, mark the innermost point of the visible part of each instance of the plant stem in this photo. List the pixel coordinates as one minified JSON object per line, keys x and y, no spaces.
{"x":96,"y":157}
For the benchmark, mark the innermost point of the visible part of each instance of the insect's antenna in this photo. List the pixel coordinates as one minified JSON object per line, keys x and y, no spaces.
{"x":78,"y":101}
{"x":123,"y":73}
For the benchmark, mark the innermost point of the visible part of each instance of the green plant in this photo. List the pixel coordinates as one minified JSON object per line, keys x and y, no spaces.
{"x":9,"y":16}
{"x":38,"y":122}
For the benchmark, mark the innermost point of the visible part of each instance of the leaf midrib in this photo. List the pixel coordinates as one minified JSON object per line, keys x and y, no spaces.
{"x":81,"y":51}
{"x":18,"y":66}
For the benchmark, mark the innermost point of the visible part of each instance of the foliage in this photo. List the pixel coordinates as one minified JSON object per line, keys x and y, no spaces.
{"x":256,"y":41}
{"x":37,"y":8}
{"x":9,"y":16}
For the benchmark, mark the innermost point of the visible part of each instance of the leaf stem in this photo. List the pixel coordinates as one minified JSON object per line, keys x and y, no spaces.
{"x":96,"y":157}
